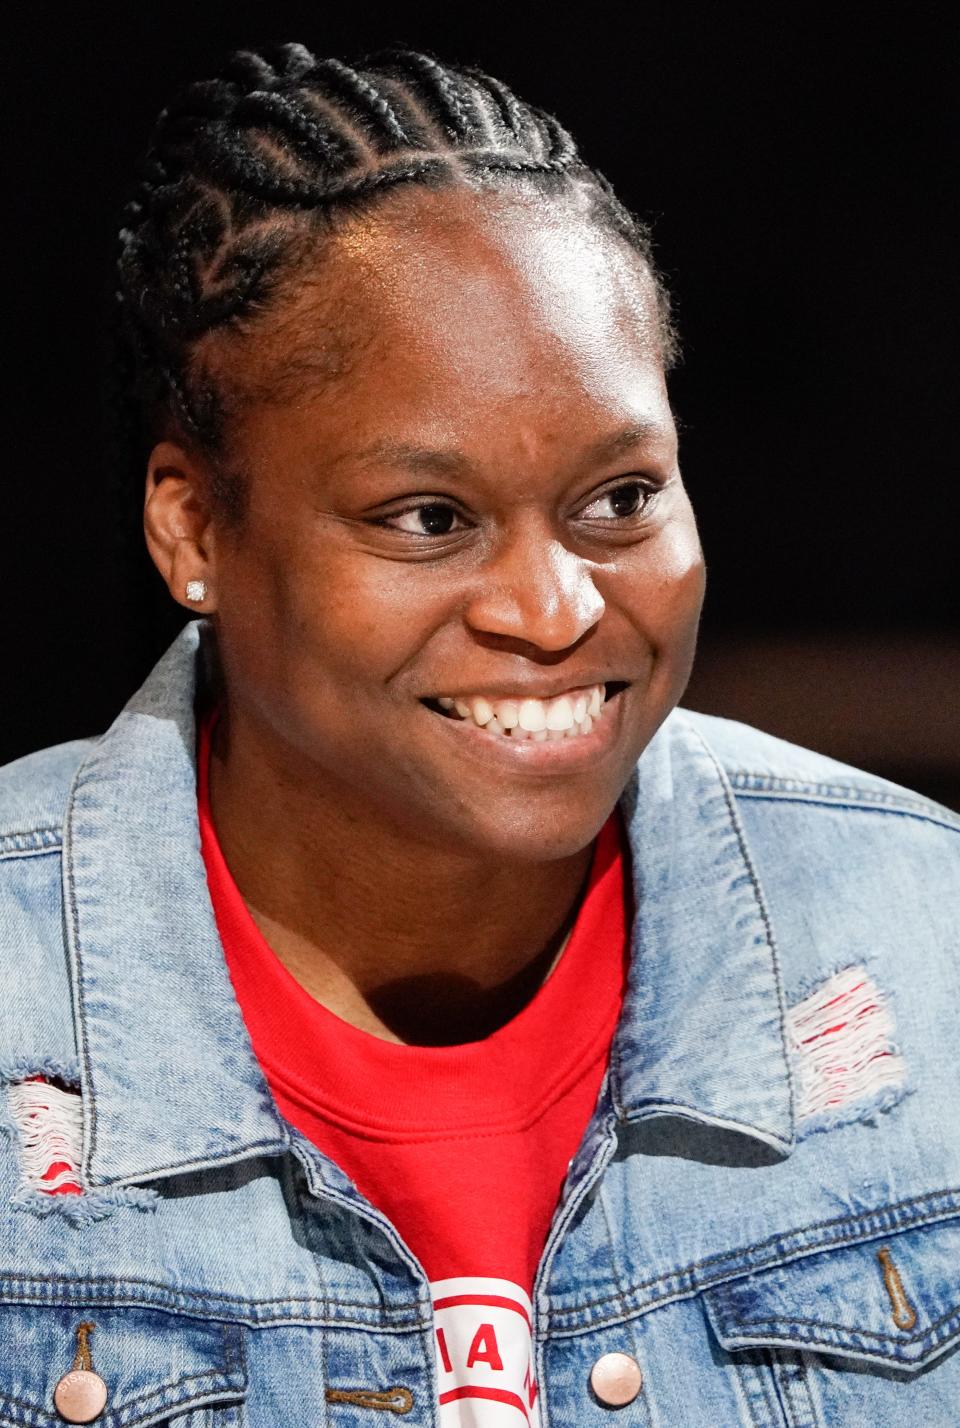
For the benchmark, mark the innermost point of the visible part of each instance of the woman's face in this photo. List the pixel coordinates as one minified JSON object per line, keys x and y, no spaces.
{"x":463,"y":485}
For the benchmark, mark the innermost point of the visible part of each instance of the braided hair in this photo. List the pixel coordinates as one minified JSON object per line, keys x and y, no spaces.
{"x":242,"y":168}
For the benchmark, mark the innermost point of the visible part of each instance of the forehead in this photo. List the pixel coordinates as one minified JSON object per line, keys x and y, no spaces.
{"x":465,"y":303}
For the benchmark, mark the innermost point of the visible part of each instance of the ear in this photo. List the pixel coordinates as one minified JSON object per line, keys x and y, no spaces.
{"x":177,"y":522}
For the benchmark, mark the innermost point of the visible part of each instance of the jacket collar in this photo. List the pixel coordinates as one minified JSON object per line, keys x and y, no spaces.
{"x":703,"y":1033}
{"x":168,"y":1075}
{"x":170,"y":1081}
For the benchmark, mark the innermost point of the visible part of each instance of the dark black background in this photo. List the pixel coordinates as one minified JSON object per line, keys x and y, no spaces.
{"x":796,"y":163}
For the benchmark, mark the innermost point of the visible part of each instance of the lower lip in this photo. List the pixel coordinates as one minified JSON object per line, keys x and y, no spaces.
{"x":545,"y":756}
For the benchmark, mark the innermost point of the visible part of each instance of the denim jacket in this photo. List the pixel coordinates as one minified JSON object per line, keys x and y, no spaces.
{"x":765,"y":1209}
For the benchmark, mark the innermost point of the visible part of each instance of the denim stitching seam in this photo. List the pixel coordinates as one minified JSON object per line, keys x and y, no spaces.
{"x":841,"y":795}
{"x":872,"y":1225}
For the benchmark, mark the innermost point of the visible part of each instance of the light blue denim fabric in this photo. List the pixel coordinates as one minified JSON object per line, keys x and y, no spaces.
{"x":713,"y":1224}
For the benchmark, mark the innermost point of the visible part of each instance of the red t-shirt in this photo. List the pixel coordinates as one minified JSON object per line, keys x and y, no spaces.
{"x":464,"y":1148}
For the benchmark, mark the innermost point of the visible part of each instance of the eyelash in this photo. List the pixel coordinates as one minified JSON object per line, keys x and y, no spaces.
{"x":648,"y":491}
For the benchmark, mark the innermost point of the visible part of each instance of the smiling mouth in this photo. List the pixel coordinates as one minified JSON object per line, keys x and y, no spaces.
{"x":566,"y":716}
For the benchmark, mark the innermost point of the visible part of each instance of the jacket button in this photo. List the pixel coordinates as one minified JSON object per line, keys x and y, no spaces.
{"x":616,"y":1379}
{"x":80,"y":1396}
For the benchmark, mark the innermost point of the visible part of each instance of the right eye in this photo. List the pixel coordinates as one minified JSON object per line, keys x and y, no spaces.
{"x":429,"y":518}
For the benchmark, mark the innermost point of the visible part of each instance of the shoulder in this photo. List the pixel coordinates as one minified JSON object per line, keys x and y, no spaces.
{"x":762,"y":768}
{"x":857,"y":877}
{"x":844,"y":858}
{"x":33,"y":797}
{"x":853,"y":871}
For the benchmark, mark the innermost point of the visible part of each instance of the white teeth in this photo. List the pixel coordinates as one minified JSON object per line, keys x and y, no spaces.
{"x":532,"y":716}
{"x":508,"y":712}
{"x":482,"y":711}
{"x":566,"y":716}
{"x":560,"y":714}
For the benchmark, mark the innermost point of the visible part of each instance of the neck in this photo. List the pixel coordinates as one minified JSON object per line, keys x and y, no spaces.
{"x":413,"y":942}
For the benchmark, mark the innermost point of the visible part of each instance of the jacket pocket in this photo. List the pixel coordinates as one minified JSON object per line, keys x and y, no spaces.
{"x":846,"y":1328}
{"x":154,"y":1366}
{"x":893,"y":1302}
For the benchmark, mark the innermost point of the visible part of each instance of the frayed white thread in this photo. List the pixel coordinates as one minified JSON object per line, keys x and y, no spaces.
{"x":50,"y":1122}
{"x":841,"y":1037}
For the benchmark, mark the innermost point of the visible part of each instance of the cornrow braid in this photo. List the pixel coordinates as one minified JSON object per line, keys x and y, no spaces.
{"x":443,"y":88}
{"x":242,"y":166}
{"x":369,"y":105}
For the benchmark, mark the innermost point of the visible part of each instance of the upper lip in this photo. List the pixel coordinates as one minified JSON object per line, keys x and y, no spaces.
{"x":526,"y":691}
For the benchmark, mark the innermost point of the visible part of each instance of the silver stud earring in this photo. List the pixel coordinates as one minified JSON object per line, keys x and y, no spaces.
{"x":196,"y":590}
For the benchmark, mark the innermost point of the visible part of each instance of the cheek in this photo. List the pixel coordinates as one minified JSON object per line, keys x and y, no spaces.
{"x":665,"y":582}
{"x":382,"y":603}
{"x":353,"y":618}
{"x":682,"y":578}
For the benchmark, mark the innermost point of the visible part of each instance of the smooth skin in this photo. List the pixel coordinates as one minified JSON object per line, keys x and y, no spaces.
{"x":462,"y":477}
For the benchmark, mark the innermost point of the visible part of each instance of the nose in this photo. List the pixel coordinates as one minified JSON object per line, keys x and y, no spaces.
{"x":537,"y":592}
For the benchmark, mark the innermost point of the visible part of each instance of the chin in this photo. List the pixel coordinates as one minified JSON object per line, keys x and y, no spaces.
{"x":539,"y":831}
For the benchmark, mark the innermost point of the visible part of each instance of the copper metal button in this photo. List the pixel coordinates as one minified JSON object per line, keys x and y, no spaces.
{"x":616,"y":1379}
{"x":80,"y":1396}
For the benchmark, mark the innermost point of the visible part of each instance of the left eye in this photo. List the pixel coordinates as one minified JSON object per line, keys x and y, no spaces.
{"x":628,"y":499}
{"x":430,"y":519}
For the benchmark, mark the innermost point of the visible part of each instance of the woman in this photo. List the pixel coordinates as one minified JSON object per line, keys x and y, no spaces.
{"x":414,"y":1012}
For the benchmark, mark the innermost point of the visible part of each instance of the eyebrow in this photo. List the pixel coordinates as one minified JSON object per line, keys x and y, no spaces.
{"x":428,"y":459}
